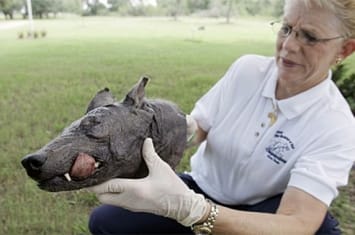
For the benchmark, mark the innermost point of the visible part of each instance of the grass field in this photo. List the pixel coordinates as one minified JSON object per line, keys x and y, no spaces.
{"x":46,"y":83}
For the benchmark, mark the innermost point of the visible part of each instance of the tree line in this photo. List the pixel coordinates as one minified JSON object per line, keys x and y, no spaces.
{"x":173,"y":8}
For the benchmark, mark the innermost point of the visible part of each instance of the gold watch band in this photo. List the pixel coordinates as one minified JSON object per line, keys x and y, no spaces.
{"x":206,"y":227}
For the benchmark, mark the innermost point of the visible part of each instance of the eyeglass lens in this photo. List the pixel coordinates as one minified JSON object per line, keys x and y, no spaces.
{"x":284,"y":30}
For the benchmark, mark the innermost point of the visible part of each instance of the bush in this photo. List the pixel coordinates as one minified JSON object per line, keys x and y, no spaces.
{"x":21,"y":35}
{"x":34,"y":34}
{"x":43,"y":33}
{"x":346,"y":84}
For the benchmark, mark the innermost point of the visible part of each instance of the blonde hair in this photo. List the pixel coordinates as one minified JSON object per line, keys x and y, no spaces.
{"x":344,"y":10}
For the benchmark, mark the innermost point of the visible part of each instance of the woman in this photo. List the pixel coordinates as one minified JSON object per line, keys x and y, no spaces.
{"x":277,"y":139}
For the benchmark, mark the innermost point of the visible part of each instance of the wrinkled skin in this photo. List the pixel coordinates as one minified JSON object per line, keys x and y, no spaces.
{"x":109,"y":135}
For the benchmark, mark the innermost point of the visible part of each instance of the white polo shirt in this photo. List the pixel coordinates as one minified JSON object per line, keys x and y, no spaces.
{"x":245,"y":159}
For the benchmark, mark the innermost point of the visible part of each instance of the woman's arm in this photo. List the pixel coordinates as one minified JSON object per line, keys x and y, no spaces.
{"x":298,"y":213}
{"x":195,"y":134}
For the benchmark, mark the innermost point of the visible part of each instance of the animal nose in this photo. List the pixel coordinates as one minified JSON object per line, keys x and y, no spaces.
{"x":33,"y":164}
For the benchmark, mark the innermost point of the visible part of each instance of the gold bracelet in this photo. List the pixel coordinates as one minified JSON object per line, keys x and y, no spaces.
{"x":206,"y":227}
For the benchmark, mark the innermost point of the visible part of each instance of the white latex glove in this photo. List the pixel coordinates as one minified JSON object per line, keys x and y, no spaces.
{"x":191,"y":125}
{"x":191,"y":130}
{"x":162,"y":192}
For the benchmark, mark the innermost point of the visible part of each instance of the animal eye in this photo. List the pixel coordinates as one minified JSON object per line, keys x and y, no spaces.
{"x":89,"y":121}
{"x":93,"y":127}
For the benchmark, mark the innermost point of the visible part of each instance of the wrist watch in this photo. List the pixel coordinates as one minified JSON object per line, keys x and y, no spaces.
{"x":206,"y":227}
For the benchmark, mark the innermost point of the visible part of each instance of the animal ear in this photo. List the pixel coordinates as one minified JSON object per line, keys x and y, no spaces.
{"x":102,"y":98}
{"x":136,"y":95}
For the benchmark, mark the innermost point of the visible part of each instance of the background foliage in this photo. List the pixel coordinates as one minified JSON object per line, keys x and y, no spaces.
{"x":174,"y":8}
{"x":346,"y":83}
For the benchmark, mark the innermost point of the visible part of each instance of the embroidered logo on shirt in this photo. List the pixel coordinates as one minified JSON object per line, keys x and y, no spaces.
{"x":279,"y":147}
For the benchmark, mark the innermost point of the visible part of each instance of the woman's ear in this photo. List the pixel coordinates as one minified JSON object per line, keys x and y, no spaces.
{"x":348,"y":48}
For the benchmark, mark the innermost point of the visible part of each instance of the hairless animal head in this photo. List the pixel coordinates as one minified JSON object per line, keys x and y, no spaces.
{"x":107,"y":141}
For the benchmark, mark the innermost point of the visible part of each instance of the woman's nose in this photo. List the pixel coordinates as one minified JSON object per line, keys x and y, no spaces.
{"x":291,"y":42}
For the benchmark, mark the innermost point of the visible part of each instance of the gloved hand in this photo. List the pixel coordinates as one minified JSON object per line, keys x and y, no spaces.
{"x":162,"y":192}
{"x":191,"y":126}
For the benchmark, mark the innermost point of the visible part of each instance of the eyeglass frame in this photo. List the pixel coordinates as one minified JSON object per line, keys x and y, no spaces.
{"x":290,"y":29}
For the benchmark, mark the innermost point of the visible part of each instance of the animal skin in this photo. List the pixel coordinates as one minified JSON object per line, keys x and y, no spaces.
{"x":107,"y":141}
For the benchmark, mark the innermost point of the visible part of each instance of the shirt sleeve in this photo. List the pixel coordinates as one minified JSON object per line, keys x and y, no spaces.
{"x":326,"y":165}
{"x":215,"y":102}
{"x":209,"y":105}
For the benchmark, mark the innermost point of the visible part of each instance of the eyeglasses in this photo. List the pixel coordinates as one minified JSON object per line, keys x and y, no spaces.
{"x":284,"y":30}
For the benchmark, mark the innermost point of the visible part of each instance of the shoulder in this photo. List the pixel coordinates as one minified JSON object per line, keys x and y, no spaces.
{"x":330,"y":124}
{"x":333,"y":111}
{"x":338,"y":103}
{"x":252,"y":68}
{"x":333,"y":122}
{"x":249,"y":71}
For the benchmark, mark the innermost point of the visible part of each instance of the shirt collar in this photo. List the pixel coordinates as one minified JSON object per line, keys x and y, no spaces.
{"x":295,"y":105}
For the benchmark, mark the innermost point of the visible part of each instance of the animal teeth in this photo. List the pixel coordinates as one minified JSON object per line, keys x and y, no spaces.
{"x":67,"y":176}
{"x":97,"y":164}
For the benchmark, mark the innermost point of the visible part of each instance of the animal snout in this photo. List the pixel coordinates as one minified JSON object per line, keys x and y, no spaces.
{"x":33,"y":164}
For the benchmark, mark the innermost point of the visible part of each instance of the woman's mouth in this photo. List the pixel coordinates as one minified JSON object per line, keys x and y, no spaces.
{"x":288,"y":63}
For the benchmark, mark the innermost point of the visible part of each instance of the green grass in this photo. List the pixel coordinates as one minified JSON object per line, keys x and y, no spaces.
{"x":46,"y":83}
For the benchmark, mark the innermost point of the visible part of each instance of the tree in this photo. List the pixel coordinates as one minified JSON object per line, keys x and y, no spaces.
{"x":173,"y":8}
{"x":253,"y":7}
{"x":118,"y":4}
{"x":260,"y":7}
{"x":9,"y":6}
{"x":176,"y":9}
{"x":197,"y":5}
{"x":278,"y":8}
{"x":94,"y":7}
{"x":229,"y":4}
{"x":56,"y":6}
{"x":73,"y":6}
